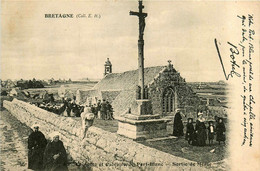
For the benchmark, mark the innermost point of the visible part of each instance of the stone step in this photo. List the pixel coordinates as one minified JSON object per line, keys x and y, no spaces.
{"x":159,"y":139}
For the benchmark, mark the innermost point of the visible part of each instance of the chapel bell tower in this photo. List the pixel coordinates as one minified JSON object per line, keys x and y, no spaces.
{"x":108,"y":67}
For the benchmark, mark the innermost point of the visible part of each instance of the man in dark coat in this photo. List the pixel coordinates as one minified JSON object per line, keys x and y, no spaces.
{"x":55,"y":157}
{"x":76,"y":109}
{"x":103,"y":110}
{"x":178,"y":125}
{"x":98,"y":109}
{"x":95,"y":110}
{"x":109,"y":111}
{"x":68,"y":107}
{"x":36,"y":147}
{"x":98,"y":105}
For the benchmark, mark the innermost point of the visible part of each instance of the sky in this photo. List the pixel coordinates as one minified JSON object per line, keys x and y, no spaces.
{"x":33,"y":46}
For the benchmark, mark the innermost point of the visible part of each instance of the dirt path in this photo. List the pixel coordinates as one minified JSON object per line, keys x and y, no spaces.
{"x":13,"y":150}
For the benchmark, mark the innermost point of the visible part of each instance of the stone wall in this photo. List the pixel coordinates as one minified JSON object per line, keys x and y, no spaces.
{"x":100,"y":149}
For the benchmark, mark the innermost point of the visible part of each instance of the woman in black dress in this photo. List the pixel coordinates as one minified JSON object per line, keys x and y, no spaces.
{"x":220,"y":131}
{"x":55,"y":157}
{"x":36,"y":147}
{"x":178,"y":125}
{"x":200,"y":129}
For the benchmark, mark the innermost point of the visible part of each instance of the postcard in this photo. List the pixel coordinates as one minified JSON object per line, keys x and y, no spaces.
{"x":130,"y":85}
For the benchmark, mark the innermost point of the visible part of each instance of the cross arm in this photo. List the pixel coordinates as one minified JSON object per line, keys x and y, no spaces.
{"x":138,"y":14}
{"x":134,"y":13}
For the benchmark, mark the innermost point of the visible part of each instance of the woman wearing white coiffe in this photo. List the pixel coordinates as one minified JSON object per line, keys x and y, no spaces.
{"x":55,"y":157}
{"x":87,"y":118}
{"x":200,"y":130}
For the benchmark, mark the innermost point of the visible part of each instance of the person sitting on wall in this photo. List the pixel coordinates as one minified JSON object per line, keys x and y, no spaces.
{"x":36,"y":147}
{"x":87,"y":118}
{"x":177,"y":124}
{"x":55,"y":157}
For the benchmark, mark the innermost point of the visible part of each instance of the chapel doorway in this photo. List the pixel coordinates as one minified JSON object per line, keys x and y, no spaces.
{"x":168,"y":101}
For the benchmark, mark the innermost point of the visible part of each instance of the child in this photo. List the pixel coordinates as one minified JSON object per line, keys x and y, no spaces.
{"x":211,"y":132}
{"x":190,"y":131}
{"x":220,"y":131}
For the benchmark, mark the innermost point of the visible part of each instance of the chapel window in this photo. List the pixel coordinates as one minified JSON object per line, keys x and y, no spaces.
{"x":168,"y":101}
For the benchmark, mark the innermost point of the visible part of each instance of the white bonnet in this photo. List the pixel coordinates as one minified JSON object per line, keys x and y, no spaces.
{"x":53,"y":134}
{"x":35,"y":125}
{"x":200,"y":113}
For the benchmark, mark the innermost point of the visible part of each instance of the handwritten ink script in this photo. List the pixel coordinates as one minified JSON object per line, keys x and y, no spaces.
{"x":241,"y":56}
{"x":247,"y":54}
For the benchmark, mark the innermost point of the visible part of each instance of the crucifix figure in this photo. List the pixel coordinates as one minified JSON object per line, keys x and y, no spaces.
{"x":141,"y":17}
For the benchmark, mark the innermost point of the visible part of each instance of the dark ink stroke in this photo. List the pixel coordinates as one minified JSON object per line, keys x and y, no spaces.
{"x":234,"y":51}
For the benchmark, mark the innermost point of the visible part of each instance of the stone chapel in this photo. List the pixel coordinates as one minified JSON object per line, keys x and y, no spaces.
{"x":164,"y":86}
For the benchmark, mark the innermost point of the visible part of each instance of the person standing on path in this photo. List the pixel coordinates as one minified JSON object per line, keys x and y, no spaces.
{"x":36,"y":147}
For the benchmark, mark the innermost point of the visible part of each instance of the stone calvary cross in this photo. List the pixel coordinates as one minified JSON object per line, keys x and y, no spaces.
{"x":141,"y":17}
{"x":142,"y":124}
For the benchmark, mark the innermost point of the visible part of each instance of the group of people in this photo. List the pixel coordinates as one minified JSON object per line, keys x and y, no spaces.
{"x":51,"y":107}
{"x":68,"y":107}
{"x":72,"y":109}
{"x":43,"y":155}
{"x":200,"y":133}
{"x":103,"y":110}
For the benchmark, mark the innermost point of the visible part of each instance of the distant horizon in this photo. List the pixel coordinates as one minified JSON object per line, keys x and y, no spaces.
{"x":98,"y":79}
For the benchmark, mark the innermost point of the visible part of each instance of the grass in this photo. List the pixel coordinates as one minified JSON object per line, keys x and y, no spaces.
{"x":108,"y":125}
{"x":177,"y":147}
{"x":180,"y":147}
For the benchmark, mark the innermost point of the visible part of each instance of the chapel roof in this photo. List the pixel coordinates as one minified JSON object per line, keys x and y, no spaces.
{"x":128,"y":79}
